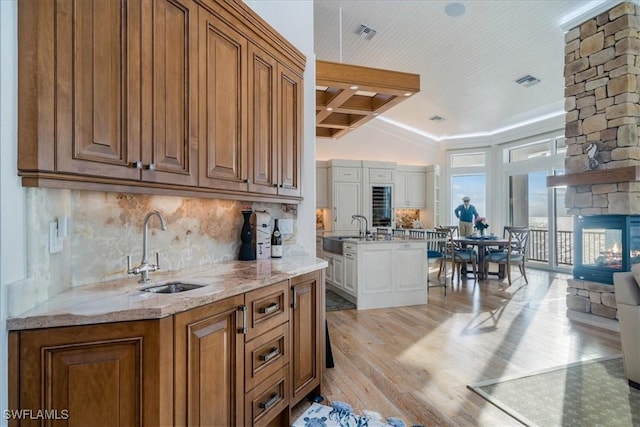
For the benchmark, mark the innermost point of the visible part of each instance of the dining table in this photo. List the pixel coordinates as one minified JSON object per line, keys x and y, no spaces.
{"x":483,"y":244}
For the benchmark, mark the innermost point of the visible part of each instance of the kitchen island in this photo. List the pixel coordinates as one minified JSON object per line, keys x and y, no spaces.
{"x":377,"y":273}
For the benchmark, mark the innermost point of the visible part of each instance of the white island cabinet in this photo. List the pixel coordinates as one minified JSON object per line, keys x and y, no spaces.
{"x":387,"y":273}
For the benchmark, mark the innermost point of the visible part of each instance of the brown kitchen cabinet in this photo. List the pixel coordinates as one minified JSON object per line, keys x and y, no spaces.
{"x":243,"y":360}
{"x":275,"y":125}
{"x":307,"y":335}
{"x":209,"y":356}
{"x":108,"y":374}
{"x":118,"y":99}
{"x":153,"y":97}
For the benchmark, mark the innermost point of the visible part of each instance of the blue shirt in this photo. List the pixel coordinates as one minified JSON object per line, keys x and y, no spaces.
{"x":468,"y":214}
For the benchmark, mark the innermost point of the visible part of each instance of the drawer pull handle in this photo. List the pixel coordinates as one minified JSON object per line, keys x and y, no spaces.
{"x":272,"y":401}
{"x":243,"y":328}
{"x":273,"y":353}
{"x":270,"y":309}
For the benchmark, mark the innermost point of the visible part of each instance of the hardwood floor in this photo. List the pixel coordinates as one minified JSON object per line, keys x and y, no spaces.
{"x":415,"y":362}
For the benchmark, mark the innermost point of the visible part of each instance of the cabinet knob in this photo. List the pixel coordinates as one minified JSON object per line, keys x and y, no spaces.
{"x":152,"y":166}
{"x":137,"y":165}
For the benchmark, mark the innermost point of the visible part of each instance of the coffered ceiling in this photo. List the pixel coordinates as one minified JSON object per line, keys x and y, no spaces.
{"x":468,"y":65}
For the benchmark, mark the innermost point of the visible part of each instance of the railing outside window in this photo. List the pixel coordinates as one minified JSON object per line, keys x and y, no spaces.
{"x":539,"y":246}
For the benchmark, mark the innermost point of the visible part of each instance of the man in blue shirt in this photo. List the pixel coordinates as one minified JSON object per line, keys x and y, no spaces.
{"x":467,"y":214}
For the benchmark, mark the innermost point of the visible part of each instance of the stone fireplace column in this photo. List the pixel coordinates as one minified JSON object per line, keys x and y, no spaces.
{"x":602,"y":100}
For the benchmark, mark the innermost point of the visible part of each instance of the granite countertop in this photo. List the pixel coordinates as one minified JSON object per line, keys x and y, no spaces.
{"x":122,"y":300}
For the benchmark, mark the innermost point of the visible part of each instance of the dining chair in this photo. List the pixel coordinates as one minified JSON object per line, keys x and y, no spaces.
{"x":515,"y":253}
{"x":417,"y":234}
{"x":436,"y":240}
{"x":399,"y":232}
{"x":457,"y":255}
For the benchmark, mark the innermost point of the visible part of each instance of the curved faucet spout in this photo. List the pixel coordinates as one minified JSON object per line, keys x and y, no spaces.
{"x":163,"y":227}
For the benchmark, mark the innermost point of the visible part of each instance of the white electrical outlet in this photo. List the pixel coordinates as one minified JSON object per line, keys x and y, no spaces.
{"x":286,"y":225}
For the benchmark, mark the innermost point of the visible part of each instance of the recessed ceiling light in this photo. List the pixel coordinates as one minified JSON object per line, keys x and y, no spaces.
{"x":437,"y":119}
{"x":408,"y":94}
{"x":354,"y":87}
{"x":376,"y":114}
{"x":528,"y":81}
{"x":455,"y":9}
{"x":329,"y":109}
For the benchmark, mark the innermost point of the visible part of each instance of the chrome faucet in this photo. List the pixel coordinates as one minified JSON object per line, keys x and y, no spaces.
{"x":366,"y":225}
{"x":144,"y":268}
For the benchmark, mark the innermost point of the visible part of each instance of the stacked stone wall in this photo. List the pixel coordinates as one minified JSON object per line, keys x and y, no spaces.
{"x":602,"y":100}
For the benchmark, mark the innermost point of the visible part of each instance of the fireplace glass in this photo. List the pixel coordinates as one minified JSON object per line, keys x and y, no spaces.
{"x":605,"y":244}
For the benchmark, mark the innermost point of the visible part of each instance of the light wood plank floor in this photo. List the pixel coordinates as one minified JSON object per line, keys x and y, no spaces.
{"x":415,"y":362}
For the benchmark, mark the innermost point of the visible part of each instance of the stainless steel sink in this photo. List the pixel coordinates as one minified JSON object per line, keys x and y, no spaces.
{"x":334,"y":244}
{"x":171,"y":288}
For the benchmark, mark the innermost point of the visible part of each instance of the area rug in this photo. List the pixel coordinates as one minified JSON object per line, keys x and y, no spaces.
{"x":589,"y":393}
{"x":335,"y":302}
{"x":341,"y":414}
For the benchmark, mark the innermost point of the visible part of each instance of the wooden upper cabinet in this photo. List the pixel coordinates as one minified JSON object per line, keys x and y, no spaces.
{"x":263,"y":127}
{"x":97,"y":86}
{"x":126,"y":89}
{"x":275,"y":119}
{"x":290,"y":128}
{"x":162,"y":96}
{"x":223,"y":105}
{"x":170,"y":93}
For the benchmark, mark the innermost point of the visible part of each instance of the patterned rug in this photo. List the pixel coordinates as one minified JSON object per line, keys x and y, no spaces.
{"x":341,"y":414}
{"x":335,"y":302}
{"x":590,"y":393}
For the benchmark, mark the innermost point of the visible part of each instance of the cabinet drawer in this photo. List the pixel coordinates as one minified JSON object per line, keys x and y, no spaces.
{"x":268,"y":399}
{"x":267,"y":308}
{"x":380,"y":175}
{"x":349,"y":247}
{"x":346,"y":174}
{"x":265,"y":355}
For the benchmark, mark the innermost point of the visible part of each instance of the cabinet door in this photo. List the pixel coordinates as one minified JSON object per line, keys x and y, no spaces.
{"x":97,"y":105}
{"x":170,"y":94}
{"x":321,"y":187}
{"x":223,"y":105}
{"x":307,"y":325}
{"x":351,"y":273}
{"x":289,"y":132}
{"x":346,"y":202}
{"x":262,"y":123}
{"x":338,"y":271}
{"x":400,"y":181}
{"x":209,"y":365}
{"x":329,"y":271}
{"x":416,"y":189}
{"x":105,"y":374}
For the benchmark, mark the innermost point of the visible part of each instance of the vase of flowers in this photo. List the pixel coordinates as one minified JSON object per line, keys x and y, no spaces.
{"x":481,"y":224}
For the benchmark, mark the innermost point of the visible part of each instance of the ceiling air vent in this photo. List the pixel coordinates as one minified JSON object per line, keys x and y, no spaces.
{"x":366,"y":32}
{"x":436,"y":119}
{"x":527,"y":81}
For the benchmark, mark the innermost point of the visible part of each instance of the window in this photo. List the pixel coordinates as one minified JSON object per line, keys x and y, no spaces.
{"x":467,"y":160}
{"x":472,"y":186}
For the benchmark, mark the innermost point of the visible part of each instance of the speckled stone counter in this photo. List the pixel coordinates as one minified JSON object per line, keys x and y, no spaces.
{"x":122,"y":300}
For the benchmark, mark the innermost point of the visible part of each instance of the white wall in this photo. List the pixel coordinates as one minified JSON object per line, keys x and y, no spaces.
{"x":294,"y":20}
{"x":13,"y":258}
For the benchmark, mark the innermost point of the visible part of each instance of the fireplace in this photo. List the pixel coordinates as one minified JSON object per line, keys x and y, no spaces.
{"x":605,"y":244}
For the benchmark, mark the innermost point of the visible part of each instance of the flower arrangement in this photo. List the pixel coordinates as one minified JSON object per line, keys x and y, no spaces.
{"x":481,"y":224}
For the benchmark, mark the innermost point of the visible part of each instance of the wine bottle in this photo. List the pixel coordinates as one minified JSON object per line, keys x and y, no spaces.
{"x":276,"y":241}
